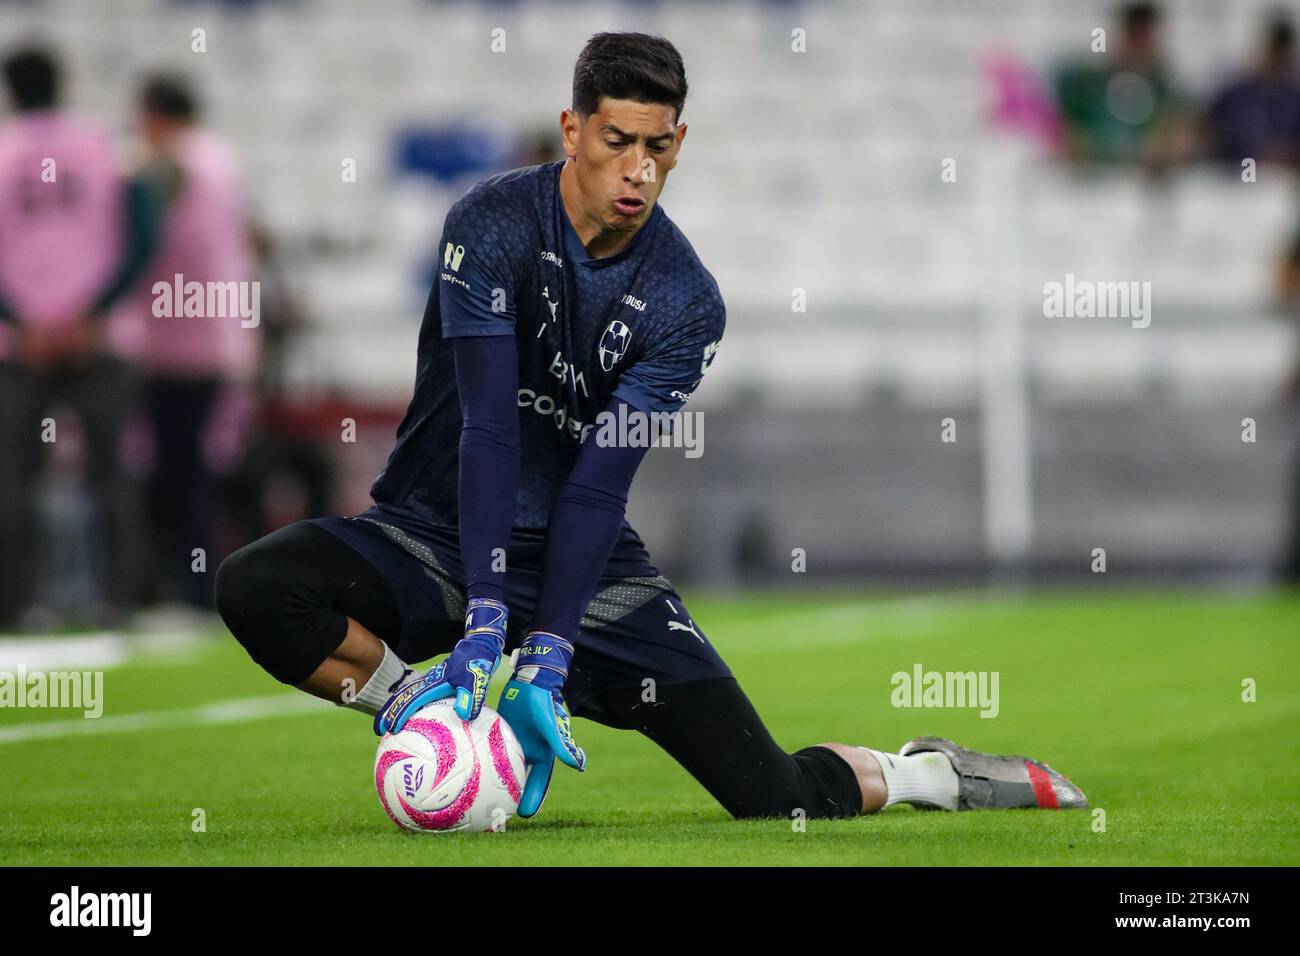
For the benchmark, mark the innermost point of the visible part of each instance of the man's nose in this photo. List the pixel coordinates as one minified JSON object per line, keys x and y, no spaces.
{"x":634,"y":163}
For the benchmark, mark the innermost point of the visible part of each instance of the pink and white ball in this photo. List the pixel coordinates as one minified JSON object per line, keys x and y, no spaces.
{"x":441,"y":774}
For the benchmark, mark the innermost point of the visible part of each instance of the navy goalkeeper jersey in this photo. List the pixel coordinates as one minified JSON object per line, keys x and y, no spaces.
{"x":642,"y":325}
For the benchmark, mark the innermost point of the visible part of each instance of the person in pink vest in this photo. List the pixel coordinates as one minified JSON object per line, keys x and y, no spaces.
{"x":200,"y":312}
{"x":74,"y":236}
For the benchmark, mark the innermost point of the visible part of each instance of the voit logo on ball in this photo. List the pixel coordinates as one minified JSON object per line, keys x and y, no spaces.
{"x":412,"y":777}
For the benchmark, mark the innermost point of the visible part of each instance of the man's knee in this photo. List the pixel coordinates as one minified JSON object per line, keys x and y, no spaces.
{"x":268,"y":601}
{"x":243,"y":582}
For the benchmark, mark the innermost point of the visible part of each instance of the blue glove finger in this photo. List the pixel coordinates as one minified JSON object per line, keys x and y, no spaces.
{"x":535,"y":787}
{"x":410,"y":699}
{"x":538,"y":758}
{"x":554,"y":723}
{"x":469,"y":700}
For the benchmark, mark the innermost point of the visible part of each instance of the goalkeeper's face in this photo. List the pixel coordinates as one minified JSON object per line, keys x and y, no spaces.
{"x":622,"y":154}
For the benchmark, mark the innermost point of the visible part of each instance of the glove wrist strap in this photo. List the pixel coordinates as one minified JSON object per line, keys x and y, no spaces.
{"x":543,"y":649}
{"x":486,"y":617}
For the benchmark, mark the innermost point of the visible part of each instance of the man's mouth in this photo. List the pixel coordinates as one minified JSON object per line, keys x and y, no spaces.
{"x":629,"y":205}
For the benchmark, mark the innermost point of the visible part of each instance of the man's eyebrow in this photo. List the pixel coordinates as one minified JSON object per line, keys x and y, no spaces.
{"x":611,"y":128}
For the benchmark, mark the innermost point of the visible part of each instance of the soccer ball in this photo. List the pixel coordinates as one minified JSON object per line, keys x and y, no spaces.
{"x":441,"y":774}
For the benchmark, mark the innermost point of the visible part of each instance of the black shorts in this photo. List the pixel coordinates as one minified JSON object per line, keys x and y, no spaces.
{"x":636,"y":627}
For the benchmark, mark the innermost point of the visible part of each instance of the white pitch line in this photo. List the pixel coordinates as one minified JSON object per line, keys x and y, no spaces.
{"x":236,"y":711}
{"x":98,"y":650}
{"x":868,"y":621}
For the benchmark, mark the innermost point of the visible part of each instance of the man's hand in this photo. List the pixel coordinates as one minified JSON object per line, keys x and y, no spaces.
{"x":465,"y":674}
{"x":82,"y":340}
{"x":476,"y":656}
{"x":72,"y":343}
{"x":533,"y":705}
{"x":35,"y":347}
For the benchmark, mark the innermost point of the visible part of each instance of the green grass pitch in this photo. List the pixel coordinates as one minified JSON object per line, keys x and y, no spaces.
{"x":1137,"y":696}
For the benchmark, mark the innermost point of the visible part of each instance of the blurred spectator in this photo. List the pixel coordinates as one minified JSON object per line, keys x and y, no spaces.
{"x":200,"y":312}
{"x":1019,"y":102}
{"x":1289,"y":296}
{"x":1124,"y":108}
{"x":1257,"y":115}
{"x":73,"y":237}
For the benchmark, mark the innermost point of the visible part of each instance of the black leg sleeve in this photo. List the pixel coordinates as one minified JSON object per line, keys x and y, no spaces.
{"x":287,"y":598}
{"x":712,"y":730}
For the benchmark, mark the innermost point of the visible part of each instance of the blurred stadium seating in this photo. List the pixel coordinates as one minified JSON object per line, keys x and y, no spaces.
{"x":816,"y":171}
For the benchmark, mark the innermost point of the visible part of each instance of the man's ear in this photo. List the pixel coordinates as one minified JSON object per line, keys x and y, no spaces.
{"x":681,"y":136}
{"x":570,"y":131}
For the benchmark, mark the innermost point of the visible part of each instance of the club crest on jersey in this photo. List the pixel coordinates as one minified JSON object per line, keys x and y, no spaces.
{"x":613,"y":344}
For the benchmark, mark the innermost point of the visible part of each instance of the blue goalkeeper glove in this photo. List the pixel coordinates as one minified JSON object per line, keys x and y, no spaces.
{"x":533,"y":705}
{"x":465,"y":674}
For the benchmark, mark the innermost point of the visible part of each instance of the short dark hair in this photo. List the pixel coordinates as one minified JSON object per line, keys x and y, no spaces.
{"x":33,"y":77}
{"x":1139,"y":15}
{"x":170,"y":96}
{"x":1280,"y":34}
{"x":628,"y":66}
